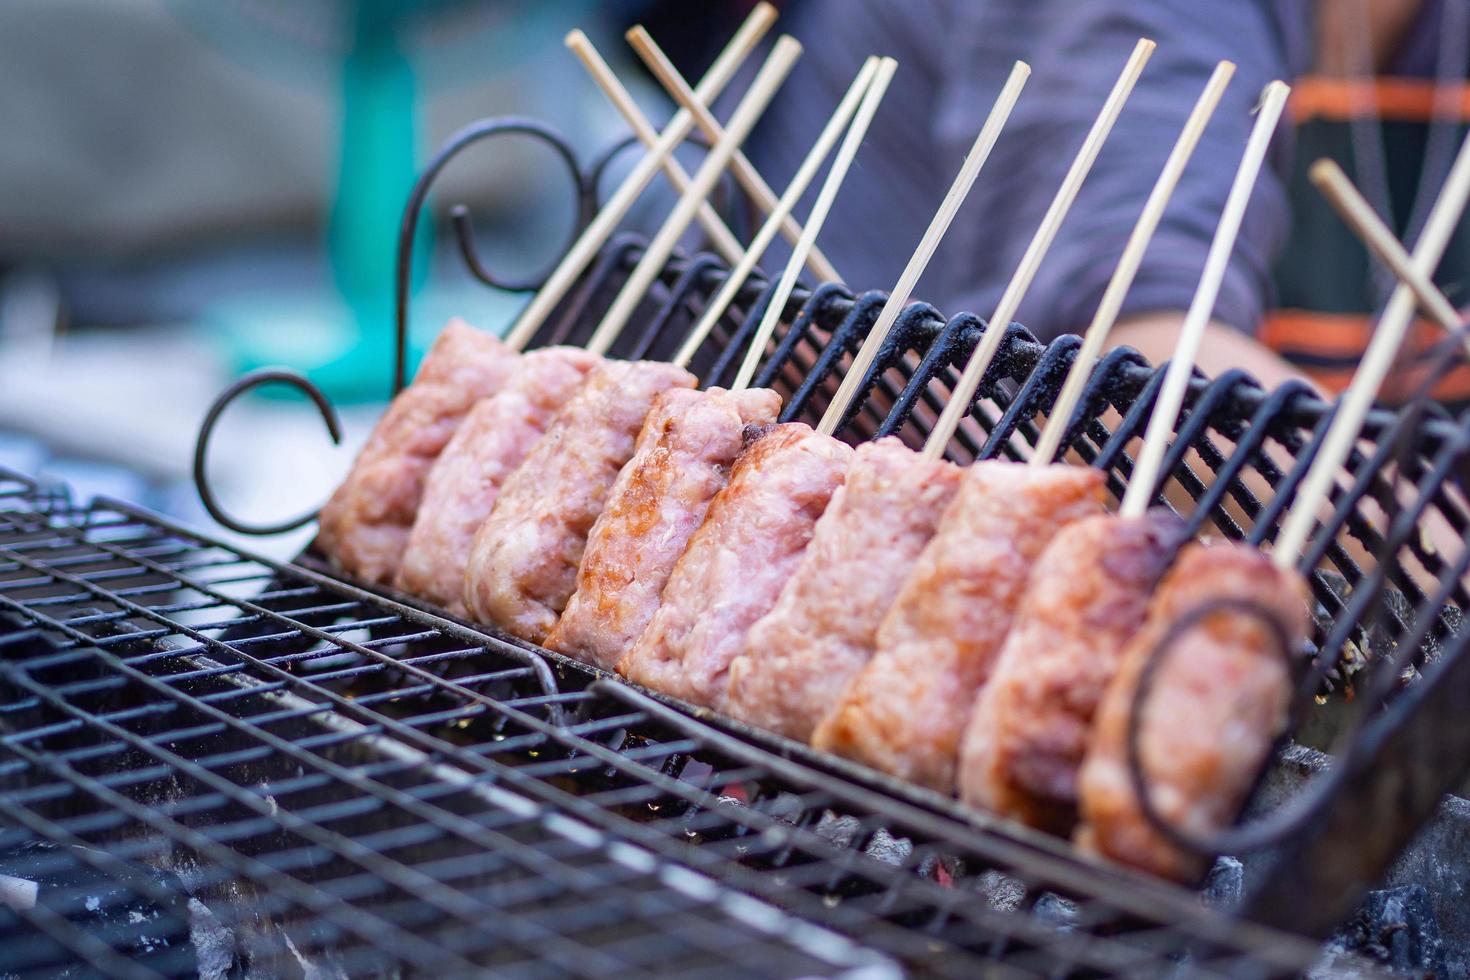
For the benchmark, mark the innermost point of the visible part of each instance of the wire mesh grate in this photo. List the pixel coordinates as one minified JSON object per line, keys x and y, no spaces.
{"x":198,"y":743}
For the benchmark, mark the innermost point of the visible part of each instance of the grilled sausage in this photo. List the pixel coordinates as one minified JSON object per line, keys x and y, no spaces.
{"x":682,"y":459}
{"x":800,"y":655}
{"x":523,"y":562}
{"x":462,"y":486}
{"x":1086,"y":597}
{"x":905,"y":711}
{"x":365,"y":525}
{"x":1217,"y":703}
{"x":736,"y":563}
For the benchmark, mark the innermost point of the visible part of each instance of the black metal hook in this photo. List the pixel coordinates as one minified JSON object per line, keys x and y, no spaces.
{"x":471,"y":134}
{"x":1242,"y":837}
{"x":201,"y":445}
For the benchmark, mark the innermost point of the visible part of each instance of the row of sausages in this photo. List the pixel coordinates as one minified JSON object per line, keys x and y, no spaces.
{"x":978,"y":630}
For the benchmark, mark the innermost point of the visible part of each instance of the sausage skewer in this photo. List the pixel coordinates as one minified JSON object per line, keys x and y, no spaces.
{"x":759,"y":525}
{"x":1359,"y":215}
{"x":1086,"y":597}
{"x":1127,"y":268}
{"x":683,"y":457}
{"x":1175,"y":766}
{"x":745,"y":173}
{"x":822,"y":630}
{"x":596,"y":234}
{"x":523,"y":561}
{"x":720,"y":236}
{"x":906,"y":710}
{"x":747,"y":113}
{"x":366,"y":524}
{"x":834,"y":129}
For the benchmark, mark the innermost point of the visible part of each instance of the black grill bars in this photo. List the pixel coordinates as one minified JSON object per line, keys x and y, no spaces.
{"x":208,"y":756}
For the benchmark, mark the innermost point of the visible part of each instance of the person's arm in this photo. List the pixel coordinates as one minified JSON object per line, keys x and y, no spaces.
{"x":1224,"y":348}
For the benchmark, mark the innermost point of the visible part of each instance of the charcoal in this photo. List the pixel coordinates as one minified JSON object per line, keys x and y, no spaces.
{"x":1397,"y":928}
{"x":1060,"y":912}
{"x":141,"y":911}
{"x":1224,"y":884}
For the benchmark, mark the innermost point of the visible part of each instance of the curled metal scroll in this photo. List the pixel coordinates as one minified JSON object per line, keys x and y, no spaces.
{"x":464,"y":232}
{"x":468,"y":136}
{"x":1241,"y":837}
{"x":211,"y":418}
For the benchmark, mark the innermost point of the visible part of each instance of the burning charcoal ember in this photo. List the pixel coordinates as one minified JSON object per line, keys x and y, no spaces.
{"x":1397,"y":928}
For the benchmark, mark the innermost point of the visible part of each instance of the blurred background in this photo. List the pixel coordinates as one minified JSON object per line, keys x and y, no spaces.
{"x":195,"y":188}
{"x":191,"y":189}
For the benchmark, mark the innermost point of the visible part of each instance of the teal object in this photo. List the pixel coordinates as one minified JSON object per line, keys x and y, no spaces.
{"x":344,"y":341}
{"x":376,"y":169}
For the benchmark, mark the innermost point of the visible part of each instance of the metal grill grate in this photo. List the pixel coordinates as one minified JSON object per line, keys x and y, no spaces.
{"x":197,"y":740}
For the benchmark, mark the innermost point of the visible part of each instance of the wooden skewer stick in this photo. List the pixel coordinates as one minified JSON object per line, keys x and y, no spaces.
{"x":1358,"y":214}
{"x":723,"y":240}
{"x":1352,"y":408}
{"x":745,"y":174}
{"x":1010,"y":300}
{"x":818,"y":217}
{"x":815,"y":157}
{"x":762,"y":90}
{"x":1000,"y":112}
{"x":1143,"y":482}
{"x":597,"y":232}
{"x":1127,"y":270}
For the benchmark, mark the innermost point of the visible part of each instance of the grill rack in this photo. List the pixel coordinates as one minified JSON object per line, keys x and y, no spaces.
{"x":920,"y":860}
{"x":297,"y":781}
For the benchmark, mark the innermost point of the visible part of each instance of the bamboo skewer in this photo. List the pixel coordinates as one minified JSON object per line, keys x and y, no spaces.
{"x":1142,"y":482}
{"x":1358,"y":214}
{"x":815,"y":157}
{"x":1352,"y":408}
{"x":1000,"y":112}
{"x":762,"y":90}
{"x":602,"y":226}
{"x":877,"y":88}
{"x":1010,"y":301}
{"x":745,"y":174}
{"x":723,"y":240}
{"x":1127,"y":269}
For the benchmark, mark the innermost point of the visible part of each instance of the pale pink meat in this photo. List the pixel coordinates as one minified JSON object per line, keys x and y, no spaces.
{"x":462,"y":486}
{"x":749,"y":544}
{"x":905,"y":711}
{"x":523,"y":561}
{"x":683,"y":457}
{"x":1217,"y":703}
{"x":1086,"y":597}
{"x":364,"y":526}
{"x":799,"y":656}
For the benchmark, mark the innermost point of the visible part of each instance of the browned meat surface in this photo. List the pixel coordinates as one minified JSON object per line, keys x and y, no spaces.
{"x":905,"y":711}
{"x":523,"y":562}
{"x":801,"y":654}
{"x":1086,"y":597}
{"x":1215,"y":706}
{"x":683,"y":458}
{"x":737,"y":562}
{"x":364,"y":526}
{"x":462,"y":486}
